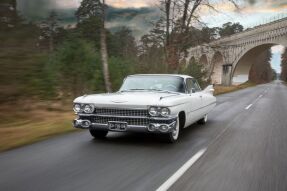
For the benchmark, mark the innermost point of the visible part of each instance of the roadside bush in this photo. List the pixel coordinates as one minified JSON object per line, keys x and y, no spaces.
{"x":120,"y":67}
{"x":195,"y":70}
{"x":72,"y":68}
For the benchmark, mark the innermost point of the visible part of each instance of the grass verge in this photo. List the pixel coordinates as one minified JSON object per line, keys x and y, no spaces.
{"x":227,"y":89}
{"x":34,"y":123}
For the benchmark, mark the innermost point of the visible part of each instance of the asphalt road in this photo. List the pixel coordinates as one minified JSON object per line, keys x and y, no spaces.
{"x":245,"y":141}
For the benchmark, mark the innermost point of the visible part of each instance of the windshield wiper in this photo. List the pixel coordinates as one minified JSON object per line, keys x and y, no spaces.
{"x":157,"y":90}
{"x":137,"y":89}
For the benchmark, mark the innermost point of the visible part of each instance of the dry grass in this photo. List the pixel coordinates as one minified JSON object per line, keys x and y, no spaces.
{"x":30,"y":122}
{"x":226,"y":89}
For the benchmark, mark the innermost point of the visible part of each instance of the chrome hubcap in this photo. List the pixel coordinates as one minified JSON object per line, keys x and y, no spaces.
{"x":205,"y":118}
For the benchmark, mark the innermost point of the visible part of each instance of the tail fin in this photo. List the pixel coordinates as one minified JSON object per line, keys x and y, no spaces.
{"x":209,"y":89}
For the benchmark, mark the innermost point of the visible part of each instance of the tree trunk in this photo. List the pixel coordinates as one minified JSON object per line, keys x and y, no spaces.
{"x":284,"y":66}
{"x":167,"y":12}
{"x":167,"y":4}
{"x":104,"y":53}
{"x":51,"y":42}
{"x":185,"y":13}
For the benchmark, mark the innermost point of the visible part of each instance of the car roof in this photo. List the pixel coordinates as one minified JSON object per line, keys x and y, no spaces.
{"x":176,"y":75}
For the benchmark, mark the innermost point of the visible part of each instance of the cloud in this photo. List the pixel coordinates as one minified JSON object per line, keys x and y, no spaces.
{"x":279,"y":49}
{"x":137,"y":14}
{"x":132,"y":3}
{"x":272,"y":5}
{"x":35,"y":10}
{"x":68,"y":4}
{"x":139,"y":20}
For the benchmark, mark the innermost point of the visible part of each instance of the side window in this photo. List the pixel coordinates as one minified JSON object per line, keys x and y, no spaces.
{"x":189,"y":85}
{"x":192,"y":86}
{"x":196,"y":85}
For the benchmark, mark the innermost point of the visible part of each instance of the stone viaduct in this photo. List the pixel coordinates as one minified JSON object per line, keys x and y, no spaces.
{"x":228,"y":60}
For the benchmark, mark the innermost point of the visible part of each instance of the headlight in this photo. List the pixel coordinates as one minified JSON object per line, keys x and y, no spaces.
{"x":164,"y":111}
{"x":153,"y":111}
{"x":77,"y":108}
{"x":159,"y":111}
{"x":89,"y":108}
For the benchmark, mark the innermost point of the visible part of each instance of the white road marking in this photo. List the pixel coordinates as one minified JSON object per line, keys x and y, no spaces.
{"x":167,"y":184}
{"x":249,"y":106}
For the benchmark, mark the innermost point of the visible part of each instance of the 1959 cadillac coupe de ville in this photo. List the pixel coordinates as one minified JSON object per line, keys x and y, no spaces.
{"x":154,"y":103}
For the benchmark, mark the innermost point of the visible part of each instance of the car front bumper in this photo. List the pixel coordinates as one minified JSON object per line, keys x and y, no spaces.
{"x":157,"y":125}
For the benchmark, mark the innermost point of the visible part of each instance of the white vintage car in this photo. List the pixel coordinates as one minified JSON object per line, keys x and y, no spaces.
{"x":152,"y":103}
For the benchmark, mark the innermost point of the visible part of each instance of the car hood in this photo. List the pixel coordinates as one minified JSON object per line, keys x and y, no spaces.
{"x":131,"y":99}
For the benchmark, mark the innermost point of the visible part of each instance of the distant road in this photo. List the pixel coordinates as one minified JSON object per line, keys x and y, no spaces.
{"x":244,"y":147}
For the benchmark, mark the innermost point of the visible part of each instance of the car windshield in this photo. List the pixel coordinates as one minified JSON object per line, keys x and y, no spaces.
{"x":154,"y":83}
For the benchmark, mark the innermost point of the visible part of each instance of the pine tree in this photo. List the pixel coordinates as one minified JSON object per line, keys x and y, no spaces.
{"x":96,"y":8}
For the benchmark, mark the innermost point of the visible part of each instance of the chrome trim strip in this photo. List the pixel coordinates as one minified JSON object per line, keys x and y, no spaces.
{"x":202,"y":107}
{"x":124,"y":108}
{"x":132,"y":117}
{"x":120,"y":116}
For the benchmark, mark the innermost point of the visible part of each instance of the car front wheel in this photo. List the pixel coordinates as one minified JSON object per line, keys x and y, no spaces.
{"x":172,"y":136}
{"x":98,"y":134}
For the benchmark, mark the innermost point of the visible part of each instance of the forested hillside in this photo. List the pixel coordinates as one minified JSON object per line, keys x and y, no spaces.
{"x":261,"y":71}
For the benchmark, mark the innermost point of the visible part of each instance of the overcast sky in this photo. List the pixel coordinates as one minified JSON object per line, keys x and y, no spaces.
{"x":251,"y":13}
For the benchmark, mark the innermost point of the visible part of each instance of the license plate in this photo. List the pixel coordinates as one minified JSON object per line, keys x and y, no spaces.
{"x":117,"y":126}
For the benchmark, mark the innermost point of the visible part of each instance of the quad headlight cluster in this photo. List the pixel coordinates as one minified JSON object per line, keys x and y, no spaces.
{"x":159,"y":111}
{"x":85,"y":108}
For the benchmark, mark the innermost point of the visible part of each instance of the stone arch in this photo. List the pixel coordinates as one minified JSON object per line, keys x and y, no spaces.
{"x":247,"y":58}
{"x":203,"y":60}
{"x":192,"y":60}
{"x":188,"y":67}
{"x":217,"y":68}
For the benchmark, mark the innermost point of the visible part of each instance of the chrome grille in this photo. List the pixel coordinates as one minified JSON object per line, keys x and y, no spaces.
{"x":121,"y":112}
{"x":130,"y":121}
{"x":136,"y":117}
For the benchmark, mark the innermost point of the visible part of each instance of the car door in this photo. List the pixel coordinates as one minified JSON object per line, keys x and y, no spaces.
{"x":195,"y":101}
{"x":203,"y":98}
{"x":207,"y":100}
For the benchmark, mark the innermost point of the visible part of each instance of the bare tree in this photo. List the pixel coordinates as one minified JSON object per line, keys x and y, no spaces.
{"x":179,"y":16}
{"x":167,"y":15}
